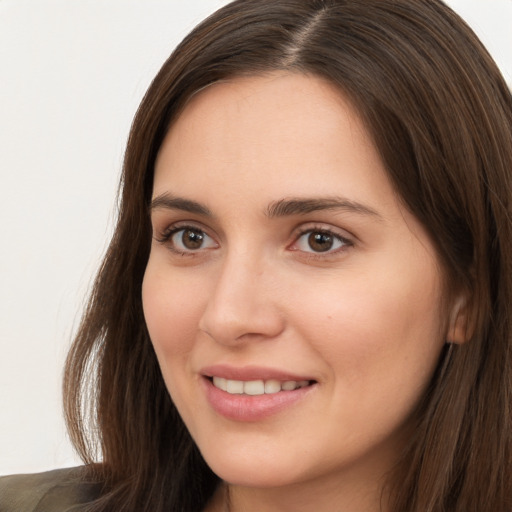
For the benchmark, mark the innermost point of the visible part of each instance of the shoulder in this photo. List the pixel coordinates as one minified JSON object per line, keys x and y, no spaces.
{"x":61,"y":490}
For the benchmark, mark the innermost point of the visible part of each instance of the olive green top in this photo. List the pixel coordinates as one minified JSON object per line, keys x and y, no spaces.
{"x":62,"y":490}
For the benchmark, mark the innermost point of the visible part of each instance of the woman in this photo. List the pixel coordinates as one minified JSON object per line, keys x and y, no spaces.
{"x":305,"y":304}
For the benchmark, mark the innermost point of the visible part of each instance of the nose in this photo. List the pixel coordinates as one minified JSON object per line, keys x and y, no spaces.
{"x":243,"y":304}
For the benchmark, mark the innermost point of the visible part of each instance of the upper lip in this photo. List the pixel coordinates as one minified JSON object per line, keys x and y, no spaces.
{"x":246,"y":373}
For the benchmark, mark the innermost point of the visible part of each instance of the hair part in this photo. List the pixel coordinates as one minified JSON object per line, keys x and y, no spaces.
{"x":440,"y":115}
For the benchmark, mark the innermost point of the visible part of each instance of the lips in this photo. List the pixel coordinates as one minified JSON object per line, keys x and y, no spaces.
{"x":247,"y":373}
{"x":253,"y":393}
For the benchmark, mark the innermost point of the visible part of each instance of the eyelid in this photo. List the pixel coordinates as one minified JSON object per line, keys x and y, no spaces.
{"x":164,"y":230}
{"x":164,"y":236}
{"x":343,"y":236}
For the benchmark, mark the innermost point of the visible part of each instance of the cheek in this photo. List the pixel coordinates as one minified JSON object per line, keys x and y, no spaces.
{"x":172,"y":310}
{"x":368,"y":327}
{"x":381,"y":343}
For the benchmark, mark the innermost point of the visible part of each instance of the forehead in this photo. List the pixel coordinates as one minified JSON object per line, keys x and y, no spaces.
{"x":295,"y":92}
{"x":290,"y":128}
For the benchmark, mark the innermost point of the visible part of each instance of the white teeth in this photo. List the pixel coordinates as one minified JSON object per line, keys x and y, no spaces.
{"x":254,"y":387}
{"x":257,"y":387}
{"x":272,"y":386}
{"x":289,"y":385}
{"x":220,"y":382}
{"x":235,"y":387}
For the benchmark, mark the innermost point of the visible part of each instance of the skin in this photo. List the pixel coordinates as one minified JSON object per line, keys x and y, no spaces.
{"x":363,"y":319}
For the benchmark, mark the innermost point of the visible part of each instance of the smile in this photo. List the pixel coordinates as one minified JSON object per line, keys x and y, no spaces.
{"x":254,"y":393}
{"x":257,"y":387}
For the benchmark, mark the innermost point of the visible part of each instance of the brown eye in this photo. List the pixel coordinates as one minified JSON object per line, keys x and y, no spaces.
{"x":320,"y":242}
{"x":191,"y":239}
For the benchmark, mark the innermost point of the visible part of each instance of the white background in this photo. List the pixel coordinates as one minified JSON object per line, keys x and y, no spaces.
{"x":72,"y":73}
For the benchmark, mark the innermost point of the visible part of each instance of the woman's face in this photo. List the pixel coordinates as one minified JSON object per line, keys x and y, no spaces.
{"x":293,"y":303}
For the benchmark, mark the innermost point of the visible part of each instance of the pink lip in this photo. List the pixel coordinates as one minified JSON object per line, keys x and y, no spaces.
{"x":250,"y":373}
{"x":246,"y":408}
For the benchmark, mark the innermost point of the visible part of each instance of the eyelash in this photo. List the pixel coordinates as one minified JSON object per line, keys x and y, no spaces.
{"x":344,"y":241}
{"x":166,"y":236}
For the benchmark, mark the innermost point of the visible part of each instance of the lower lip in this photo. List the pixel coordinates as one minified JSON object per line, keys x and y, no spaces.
{"x":249,"y":407}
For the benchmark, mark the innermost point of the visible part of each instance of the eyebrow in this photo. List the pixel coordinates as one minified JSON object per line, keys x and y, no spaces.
{"x":303,"y":206}
{"x":276,"y":209}
{"x":170,"y":202}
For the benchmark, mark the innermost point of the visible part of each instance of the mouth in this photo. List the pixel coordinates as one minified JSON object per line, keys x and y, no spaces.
{"x":257,"y":387}
{"x":254,"y":393}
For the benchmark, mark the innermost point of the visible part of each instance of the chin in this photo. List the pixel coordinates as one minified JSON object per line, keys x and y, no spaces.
{"x":247,"y":472}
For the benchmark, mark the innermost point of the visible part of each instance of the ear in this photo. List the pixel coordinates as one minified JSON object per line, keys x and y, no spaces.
{"x":460,"y":327}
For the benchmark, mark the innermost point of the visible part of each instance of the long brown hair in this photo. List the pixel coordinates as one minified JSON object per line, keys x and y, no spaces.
{"x":441,"y":117}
